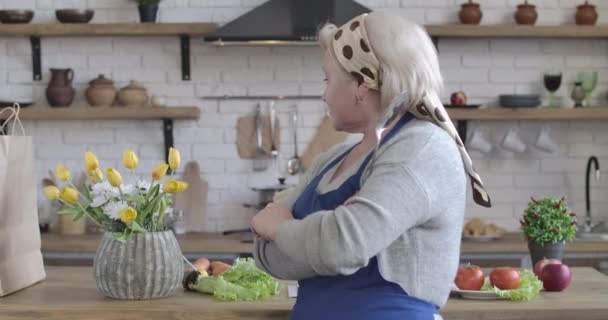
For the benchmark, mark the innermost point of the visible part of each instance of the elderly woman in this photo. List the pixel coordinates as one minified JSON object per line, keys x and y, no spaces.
{"x":372,"y":231}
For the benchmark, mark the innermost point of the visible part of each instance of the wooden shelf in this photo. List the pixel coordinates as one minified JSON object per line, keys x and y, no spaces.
{"x":77,"y":112}
{"x":519,"y":31}
{"x":496,"y":113}
{"x":109,"y":29}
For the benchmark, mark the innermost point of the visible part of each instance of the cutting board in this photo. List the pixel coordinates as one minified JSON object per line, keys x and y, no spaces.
{"x":193,"y":201}
{"x":325,"y":137}
{"x":246,"y":137}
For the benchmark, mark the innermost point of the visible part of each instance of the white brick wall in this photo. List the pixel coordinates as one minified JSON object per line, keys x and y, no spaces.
{"x":483,"y":68}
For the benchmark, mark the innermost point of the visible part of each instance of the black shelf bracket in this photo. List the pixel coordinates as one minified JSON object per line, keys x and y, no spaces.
{"x":168,"y":136}
{"x":462,"y":130}
{"x":185,"y":51}
{"x":36,"y":64}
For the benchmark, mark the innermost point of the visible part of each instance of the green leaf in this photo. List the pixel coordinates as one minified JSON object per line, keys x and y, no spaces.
{"x":528,"y":289}
{"x":137,"y":198}
{"x":69,"y":210}
{"x":87,"y":193}
{"x":242,"y":282}
{"x":78,"y":216}
{"x":136,"y":227}
{"x":124,"y":236}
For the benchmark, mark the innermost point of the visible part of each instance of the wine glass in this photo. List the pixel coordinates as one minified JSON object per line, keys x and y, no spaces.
{"x":553,"y":81}
{"x":589,"y":82}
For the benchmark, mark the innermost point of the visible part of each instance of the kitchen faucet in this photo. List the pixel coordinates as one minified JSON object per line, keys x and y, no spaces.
{"x":592,"y":160}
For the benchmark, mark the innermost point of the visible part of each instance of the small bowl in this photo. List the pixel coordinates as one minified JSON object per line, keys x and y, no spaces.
{"x":74,"y":15}
{"x":16,"y":16}
{"x":519,"y":100}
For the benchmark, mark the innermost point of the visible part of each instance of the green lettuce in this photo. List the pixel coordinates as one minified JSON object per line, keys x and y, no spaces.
{"x":528,"y":289}
{"x":242,"y":282}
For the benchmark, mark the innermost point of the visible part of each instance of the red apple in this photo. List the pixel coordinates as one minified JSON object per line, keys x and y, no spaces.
{"x":556,"y":277}
{"x":458,"y":98}
{"x":538,"y":267}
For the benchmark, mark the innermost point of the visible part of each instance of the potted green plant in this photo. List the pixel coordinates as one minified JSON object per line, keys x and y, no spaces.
{"x":148,"y":10}
{"x":547,"y":224}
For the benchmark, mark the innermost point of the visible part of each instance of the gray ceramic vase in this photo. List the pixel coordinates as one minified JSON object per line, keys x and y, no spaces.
{"x":147,"y":266}
{"x":547,"y":250}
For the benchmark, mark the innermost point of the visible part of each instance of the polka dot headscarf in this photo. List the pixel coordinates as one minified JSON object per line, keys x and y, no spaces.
{"x":352,"y":48}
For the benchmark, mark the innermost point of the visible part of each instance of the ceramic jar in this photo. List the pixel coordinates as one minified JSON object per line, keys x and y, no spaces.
{"x":59,"y":92}
{"x":101,"y":92}
{"x":133,"y":95}
{"x":578,"y":94}
{"x":586,"y":14}
{"x":526,"y":14}
{"x":147,"y":266}
{"x":470,"y":13}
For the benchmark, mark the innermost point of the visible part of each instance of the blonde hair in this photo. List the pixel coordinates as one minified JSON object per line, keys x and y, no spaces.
{"x":407,"y":56}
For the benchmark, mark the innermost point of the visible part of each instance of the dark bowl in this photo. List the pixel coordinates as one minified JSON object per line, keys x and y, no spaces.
{"x":74,"y":15}
{"x":519,"y":100}
{"x":16,"y":16}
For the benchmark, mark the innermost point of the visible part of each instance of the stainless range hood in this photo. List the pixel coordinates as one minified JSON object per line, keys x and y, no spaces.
{"x":292,"y":22}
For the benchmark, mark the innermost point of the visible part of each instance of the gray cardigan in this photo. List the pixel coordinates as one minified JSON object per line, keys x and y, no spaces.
{"x":408,"y":213}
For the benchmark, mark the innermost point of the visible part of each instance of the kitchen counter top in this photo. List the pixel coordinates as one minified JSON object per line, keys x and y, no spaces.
{"x":70,"y":293}
{"x":217,"y":243}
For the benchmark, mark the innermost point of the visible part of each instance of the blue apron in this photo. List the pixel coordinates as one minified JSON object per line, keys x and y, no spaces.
{"x":364,"y":294}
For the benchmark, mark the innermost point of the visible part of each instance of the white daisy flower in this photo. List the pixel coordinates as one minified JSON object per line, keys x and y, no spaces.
{"x":112,"y":208}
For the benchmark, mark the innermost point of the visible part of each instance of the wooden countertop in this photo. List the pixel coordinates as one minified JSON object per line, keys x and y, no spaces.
{"x":217,"y":243}
{"x":70,"y":293}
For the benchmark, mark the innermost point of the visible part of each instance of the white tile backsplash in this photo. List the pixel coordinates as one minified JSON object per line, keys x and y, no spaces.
{"x":483,"y":68}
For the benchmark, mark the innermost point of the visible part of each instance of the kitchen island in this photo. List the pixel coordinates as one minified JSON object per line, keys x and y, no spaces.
{"x":69,"y":293}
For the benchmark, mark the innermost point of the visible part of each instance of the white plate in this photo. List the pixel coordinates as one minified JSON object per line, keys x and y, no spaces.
{"x":475,"y":294}
{"x":478,"y":295}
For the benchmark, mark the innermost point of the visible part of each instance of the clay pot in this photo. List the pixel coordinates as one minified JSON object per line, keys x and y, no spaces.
{"x":60,"y":92}
{"x":133,"y":95}
{"x":470,"y":13}
{"x":586,"y":14}
{"x":526,"y":14}
{"x":101,"y":92}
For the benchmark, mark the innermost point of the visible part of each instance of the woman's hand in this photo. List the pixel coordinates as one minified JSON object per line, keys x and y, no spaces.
{"x":265,"y":223}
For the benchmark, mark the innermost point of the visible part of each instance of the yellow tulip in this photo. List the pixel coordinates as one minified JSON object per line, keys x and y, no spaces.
{"x":90,"y":161}
{"x":159,"y":171}
{"x":96,"y":176}
{"x":69,"y":195}
{"x":114,"y":177}
{"x":174,"y":159}
{"x":51,"y":192}
{"x":63,"y":173}
{"x":174,"y":186}
{"x":129,"y":159}
{"x":127,"y":214}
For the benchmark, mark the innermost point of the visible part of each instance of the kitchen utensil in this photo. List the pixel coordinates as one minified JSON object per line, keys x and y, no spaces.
{"x":589,"y":82}
{"x":526,"y":14}
{"x":470,"y":13}
{"x":193,"y":201}
{"x":5,"y":103}
{"x":325,"y":137}
{"x":512,"y":142}
{"x":578,"y":94}
{"x":586,"y":14}
{"x":274,"y":153}
{"x":246,"y":135}
{"x":519,"y":100}
{"x":294,"y":164}
{"x":544,"y":141}
{"x":478,"y":142}
{"x":59,"y":91}
{"x":16,"y":16}
{"x":101,"y":92}
{"x":133,"y":95}
{"x":552,"y":81}
{"x":74,"y":15}
{"x":259,"y":163}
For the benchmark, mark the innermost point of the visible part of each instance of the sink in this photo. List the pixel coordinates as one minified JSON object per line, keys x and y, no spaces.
{"x":598,"y":232}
